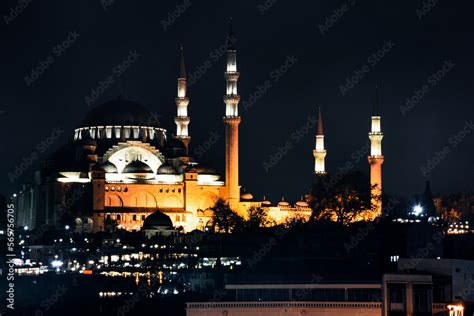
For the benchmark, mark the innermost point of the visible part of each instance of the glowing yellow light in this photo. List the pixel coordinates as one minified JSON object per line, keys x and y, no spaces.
{"x":456,"y":310}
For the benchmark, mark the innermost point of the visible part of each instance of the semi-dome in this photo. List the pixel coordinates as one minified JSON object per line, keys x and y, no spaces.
{"x":166,"y":169}
{"x":137,"y":166}
{"x":120,"y":112}
{"x":107,"y":167}
{"x":157,"y":219}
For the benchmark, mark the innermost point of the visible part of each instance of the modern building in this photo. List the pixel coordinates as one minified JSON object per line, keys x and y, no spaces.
{"x":396,"y":294}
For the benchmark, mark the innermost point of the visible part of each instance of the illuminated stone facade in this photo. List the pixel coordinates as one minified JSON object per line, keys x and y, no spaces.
{"x":122,"y":166}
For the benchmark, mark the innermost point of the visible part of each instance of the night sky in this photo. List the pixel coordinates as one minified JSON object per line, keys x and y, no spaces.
{"x":323,"y":43}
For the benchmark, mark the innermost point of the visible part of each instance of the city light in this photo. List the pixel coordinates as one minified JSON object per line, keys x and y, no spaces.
{"x":417,"y":210}
{"x":56,"y":263}
{"x":66,"y":227}
{"x":456,"y":310}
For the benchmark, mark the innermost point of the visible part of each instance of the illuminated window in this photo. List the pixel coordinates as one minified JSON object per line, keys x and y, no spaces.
{"x":119,"y":189}
{"x":113,"y":188}
{"x":106,"y":188}
{"x":394,"y":258}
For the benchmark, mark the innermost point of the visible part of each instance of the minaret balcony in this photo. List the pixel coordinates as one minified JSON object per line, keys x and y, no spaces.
{"x":231,"y":120}
{"x":232,"y":99}
{"x":182,"y":119}
{"x":182,"y":101}
{"x":232,"y":75}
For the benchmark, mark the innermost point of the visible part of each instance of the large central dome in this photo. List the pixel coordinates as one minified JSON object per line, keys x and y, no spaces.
{"x":121,"y":112}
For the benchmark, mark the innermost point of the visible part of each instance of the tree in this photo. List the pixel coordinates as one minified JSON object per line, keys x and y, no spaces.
{"x":257,"y":217}
{"x":110,"y":224}
{"x":343,"y":199}
{"x":224,"y":218}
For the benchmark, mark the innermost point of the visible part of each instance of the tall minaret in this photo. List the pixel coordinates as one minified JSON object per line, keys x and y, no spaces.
{"x":231,"y":121}
{"x":319,"y":153}
{"x":376,"y":158}
{"x":182,"y":119}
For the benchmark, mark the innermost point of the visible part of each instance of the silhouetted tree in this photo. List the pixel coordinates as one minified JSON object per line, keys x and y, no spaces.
{"x":224,"y":218}
{"x":110,"y":224}
{"x":342,"y":198}
{"x":257,"y":218}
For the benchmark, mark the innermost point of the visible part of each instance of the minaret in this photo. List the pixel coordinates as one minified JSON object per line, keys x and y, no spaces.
{"x":231,"y":121}
{"x":319,"y":153}
{"x":182,"y":119}
{"x":376,"y":158}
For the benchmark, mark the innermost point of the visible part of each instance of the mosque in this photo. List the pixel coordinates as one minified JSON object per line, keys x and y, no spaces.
{"x":123,"y":169}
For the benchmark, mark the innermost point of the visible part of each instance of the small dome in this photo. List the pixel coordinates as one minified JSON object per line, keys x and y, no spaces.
{"x":266,"y":202}
{"x":157,"y":219}
{"x":246,"y":196}
{"x":137,"y":167}
{"x":302,"y":204}
{"x":166,"y":169}
{"x":204,"y":169}
{"x":283,"y":202}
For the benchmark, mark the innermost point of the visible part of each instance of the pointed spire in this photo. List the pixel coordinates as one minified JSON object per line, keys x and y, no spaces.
{"x":427,"y":200}
{"x":230,"y":41}
{"x":428,"y":192}
{"x":182,"y":67}
{"x":320,"y":130}
{"x":376,"y":107}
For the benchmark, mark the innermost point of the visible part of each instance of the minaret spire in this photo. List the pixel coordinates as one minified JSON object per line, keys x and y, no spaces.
{"x":319,"y":152}
{"x":376,"y":107}
{"x":232,"y":121}
{"x":182,"y":66}
{"x":376,"y":158}
{"x":182,"y":119}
